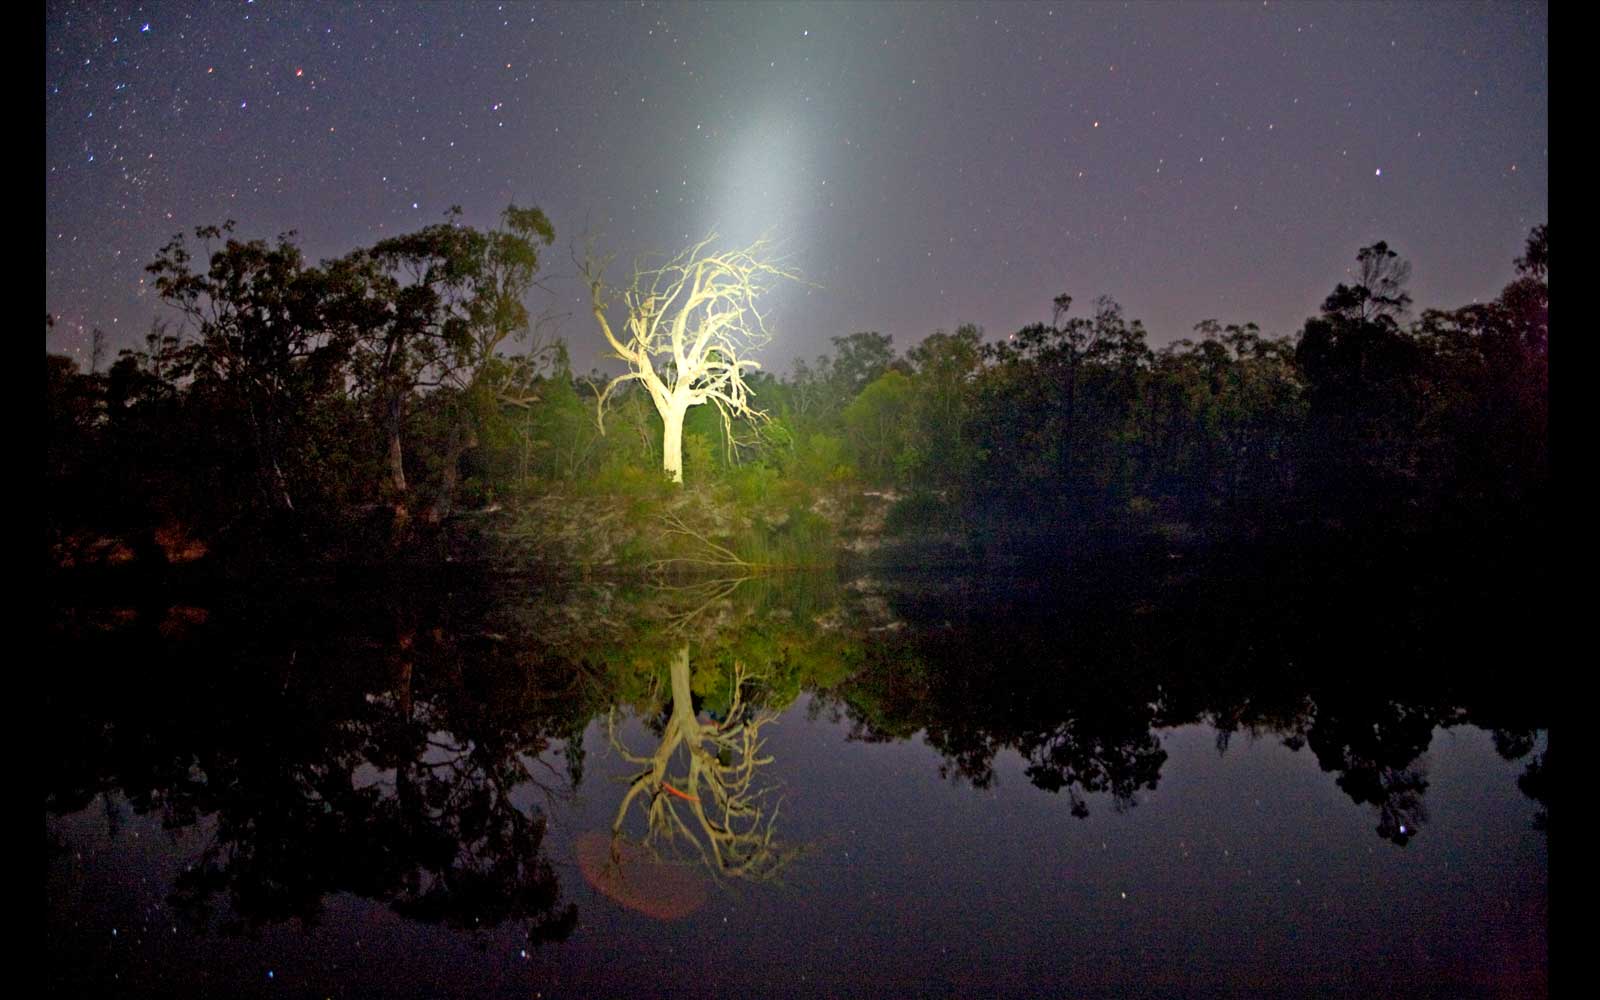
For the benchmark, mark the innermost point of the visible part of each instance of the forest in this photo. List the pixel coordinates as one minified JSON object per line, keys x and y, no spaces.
{"x":403,"y":404}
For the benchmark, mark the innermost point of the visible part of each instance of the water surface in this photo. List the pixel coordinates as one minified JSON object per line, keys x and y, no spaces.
{"x":1239,"y":778}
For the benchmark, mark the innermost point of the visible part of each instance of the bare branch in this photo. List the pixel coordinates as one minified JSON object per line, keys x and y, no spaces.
{"x":690,"y":326}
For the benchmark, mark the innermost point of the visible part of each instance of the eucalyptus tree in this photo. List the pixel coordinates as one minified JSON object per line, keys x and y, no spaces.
{"x":260,"y":343}
{"x":431,"y":310}
{"x":688,"y":330}
{"x":1364,"y":375}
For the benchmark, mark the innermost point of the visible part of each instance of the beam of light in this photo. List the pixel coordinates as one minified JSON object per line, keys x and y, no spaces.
{"x":762,"y":184}
{"x":768,"y":185}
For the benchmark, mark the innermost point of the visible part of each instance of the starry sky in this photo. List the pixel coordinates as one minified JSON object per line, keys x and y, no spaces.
{"x":922,"y":165}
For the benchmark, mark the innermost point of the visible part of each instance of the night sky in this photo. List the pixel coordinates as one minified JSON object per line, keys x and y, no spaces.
{"x":922,"y":165}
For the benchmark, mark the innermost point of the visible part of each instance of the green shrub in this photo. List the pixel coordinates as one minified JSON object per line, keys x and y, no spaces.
{"x":801,"y":539}
{"x":699,"y":458}
{"x":753,"y":484}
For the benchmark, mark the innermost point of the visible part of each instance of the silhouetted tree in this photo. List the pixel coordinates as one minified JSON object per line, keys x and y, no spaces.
{"x":262,"y":347}
{"x":1363,"y":375}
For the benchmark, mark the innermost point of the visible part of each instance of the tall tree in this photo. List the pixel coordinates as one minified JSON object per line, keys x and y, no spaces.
{"x":1487,"y":415}
{"x":859,"y":359}
{"x":433,"y":308}
{"x":944,"y":366}
{"x":497,"y":270}
{"x":261,"y":339}
{"x":879,"y":426}
{"x":1362,"y":371}
{"x":713,"y":802}
{"x":1378,"y":295}
{"x":688,"y":333}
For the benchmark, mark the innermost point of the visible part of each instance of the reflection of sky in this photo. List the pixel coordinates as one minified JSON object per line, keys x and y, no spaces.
{"x":1245,"y":868}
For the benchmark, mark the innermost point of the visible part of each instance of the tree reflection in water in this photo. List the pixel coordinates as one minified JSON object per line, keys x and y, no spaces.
{"x":400,"y":746}
{"x":698,"y":800}
{"x":712,"y":805}
{"x":384,"y":758}
{"x":1351,"y":655}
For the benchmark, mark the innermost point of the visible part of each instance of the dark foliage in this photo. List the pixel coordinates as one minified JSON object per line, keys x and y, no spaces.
{"x":338,"y":411}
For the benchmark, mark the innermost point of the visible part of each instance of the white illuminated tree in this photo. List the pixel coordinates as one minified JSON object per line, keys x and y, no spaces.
{"x":690,"y":328}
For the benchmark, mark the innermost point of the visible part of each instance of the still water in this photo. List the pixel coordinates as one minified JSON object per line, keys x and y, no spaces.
{"x":1266,"y":779}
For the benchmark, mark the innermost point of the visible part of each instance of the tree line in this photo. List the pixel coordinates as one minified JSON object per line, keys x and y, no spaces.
{"x":409,"y":379}
{"x":1077,"y":427}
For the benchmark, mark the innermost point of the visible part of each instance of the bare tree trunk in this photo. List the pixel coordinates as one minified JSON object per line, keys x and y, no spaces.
{"x":280,"y":487}
{"x":273,"y":482}
{"x":463,"y":436}
{"x":722,"y":819}
{"x":672,"y":441}
{"x":683,"y":697}
{"x":396,"y":462}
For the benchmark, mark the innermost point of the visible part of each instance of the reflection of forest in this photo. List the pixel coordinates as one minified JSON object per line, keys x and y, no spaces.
{"x":398,"y":742}
{"x":1341,"y":653}
{"x":339,"y":746}
{"x":401,"y":743}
